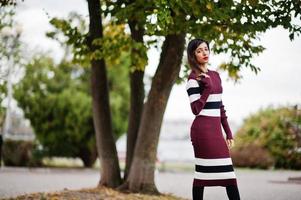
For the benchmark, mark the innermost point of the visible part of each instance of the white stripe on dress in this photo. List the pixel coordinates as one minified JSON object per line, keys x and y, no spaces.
{"x":214,"y":176}
{"x":213,"y":162}
{"x":192,"y":83}
{"x":210,"y":112}
{"x":211,"y":97}
{"x":194,"y":97}
{"x":214,"y":97}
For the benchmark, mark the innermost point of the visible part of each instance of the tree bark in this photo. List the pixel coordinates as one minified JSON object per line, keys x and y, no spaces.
{"x":106,"y":148}
{"x":141,"y":176}
{"x":136,"y":100}
{"x":88,"y":156}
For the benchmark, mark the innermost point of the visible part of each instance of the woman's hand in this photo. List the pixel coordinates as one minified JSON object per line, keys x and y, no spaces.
{"x":206,"y":80}
{"x":202,"y":74}
{"x":230,"y":143}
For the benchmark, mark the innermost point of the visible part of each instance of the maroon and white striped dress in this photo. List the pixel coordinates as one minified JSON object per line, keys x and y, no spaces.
{"x":213,"y":164}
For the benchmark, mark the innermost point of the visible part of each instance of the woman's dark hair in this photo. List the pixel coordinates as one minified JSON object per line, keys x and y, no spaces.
{"x":192,"y":46}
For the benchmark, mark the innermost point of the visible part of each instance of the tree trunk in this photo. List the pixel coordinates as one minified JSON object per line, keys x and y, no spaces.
{"x":88,"y":156}
{"x":141,"y":176}
{"x":1,"y":142}
{"x":110,"y":170}
{"x":136,"y":101}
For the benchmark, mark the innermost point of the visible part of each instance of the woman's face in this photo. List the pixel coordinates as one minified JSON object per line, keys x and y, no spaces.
{"x":202,"y":53}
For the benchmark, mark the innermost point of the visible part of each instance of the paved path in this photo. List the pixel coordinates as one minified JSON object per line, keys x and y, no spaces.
{"x":253,"y":184}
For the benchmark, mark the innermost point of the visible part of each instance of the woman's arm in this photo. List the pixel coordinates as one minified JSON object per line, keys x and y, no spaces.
{"x":224,"y":120}
{"x":197,"y":100}
{"x":225,"y":123}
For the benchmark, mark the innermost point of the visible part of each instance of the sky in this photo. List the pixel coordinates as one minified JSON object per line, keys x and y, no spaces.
{"x":277,"y":84}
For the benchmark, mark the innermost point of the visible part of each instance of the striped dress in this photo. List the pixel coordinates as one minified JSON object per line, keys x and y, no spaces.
{"x":213,"y":164}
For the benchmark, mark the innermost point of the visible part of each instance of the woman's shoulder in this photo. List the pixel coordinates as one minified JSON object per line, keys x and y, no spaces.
{"x":192,"y":80}
{"x":192,"y":75}
{"x":217,"y":75}
{"x":213,"y":71}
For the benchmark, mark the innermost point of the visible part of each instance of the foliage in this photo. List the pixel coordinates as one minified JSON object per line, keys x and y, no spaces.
{"x":10,"y":50}
{"x":10,"y":45}
{"x":21,"y":153}
{"x":276,"y":130}
{"x":73,"y":32}
{"x":252,"y":155}
{"x":8,"y":3}
{"x":233,"y":27}
{"x":54,"y":99}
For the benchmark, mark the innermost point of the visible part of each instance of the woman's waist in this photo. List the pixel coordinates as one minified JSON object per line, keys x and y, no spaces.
{"x":206,"y":118}
{"x":209,"y":113}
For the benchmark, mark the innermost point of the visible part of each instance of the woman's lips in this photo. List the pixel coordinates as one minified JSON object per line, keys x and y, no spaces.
{"x":205,"y":58}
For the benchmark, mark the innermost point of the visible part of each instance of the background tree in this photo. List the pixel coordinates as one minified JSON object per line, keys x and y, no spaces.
{"x":93,"y":47}
{"x":65,"y":87}
{"x":114,"y":45}
{"x":118,"y":61}
{"x":9,"y":45}
{"x":10,"y":58}
{"x":110,"y":170}
{"x":55,"y":100}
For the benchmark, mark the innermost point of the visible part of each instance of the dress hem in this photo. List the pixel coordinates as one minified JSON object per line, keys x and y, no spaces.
{"x":223,"y":183}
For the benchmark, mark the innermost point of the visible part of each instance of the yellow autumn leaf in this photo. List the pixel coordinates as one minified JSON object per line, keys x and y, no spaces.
{"x":209,"y":6}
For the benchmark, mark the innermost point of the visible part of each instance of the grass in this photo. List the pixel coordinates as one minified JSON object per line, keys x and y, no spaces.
{"x":100,"y":193}
{"x":176,"y":167}
{"x":62,"y":162}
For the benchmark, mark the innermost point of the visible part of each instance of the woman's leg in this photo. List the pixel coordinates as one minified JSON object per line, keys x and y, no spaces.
{"x":197,"y":192}
{"x":232,"y":192}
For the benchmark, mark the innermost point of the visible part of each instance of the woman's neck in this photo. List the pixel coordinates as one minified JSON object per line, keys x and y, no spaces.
{"x":203,"y":67}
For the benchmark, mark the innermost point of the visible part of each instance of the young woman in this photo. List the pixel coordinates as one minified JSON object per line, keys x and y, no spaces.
{"x":213,"y":164}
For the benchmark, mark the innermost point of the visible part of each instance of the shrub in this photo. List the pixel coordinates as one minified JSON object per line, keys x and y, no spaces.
{"x":273,"y":134}
{"x":252,"y":155}
{"x":21,"y":153}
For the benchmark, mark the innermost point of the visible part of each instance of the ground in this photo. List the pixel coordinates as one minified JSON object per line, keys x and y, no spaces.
{"x":101,"y":193}
{"x":253,"y":184}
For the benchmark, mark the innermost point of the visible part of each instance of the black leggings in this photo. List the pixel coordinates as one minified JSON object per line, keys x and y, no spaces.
{"x":232,"y":192}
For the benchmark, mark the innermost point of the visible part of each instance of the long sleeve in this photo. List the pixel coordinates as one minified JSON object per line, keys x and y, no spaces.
{"x":198,"y":95}
{"x":225,"y":123}
{"x":224,"y":118}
